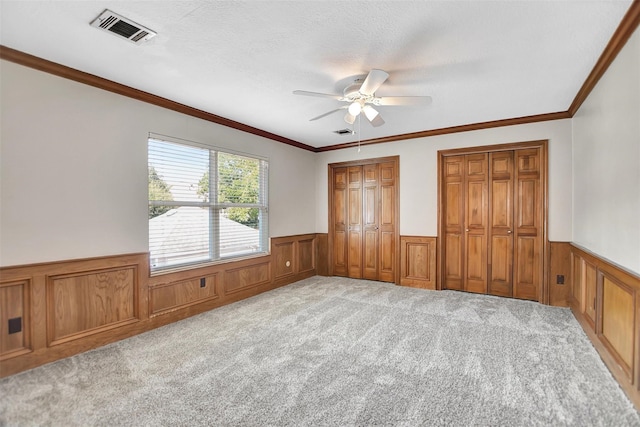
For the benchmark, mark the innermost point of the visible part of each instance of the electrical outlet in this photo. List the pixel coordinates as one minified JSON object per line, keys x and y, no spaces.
{"x":15,"y":325}
{"x":560,"y":279}
{"x":203,"y":282}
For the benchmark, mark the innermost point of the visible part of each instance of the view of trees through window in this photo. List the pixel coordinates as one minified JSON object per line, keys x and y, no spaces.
{"x":158,"y":190}
{"x":238,"y":182}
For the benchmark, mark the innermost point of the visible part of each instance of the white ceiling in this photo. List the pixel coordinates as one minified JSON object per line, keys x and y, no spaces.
{"x":479,"y":60}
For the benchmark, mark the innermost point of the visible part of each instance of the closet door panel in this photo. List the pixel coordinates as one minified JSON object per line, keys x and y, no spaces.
{"x":476,"y":214}
{"x":364,"y":215}
{"x":501,"y":223}
{"x":453,"y":197}
{"x":387,"y":257}
{"x":492,"y":220}
{"x":370,"y":217}
{"x":340,"y":227}
{"x":387,"y":221}
{"x":528,"y":228}
{"x":476,"y":264}
{"x":355,"y":222}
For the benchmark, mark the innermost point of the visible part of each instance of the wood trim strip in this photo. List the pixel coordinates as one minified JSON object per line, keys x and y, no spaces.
{"x":454,"y":129}
{"x":626,"y":28}
{"x":63,"y":71}
{"x":510,"y":146}
{"x":608,"y":267}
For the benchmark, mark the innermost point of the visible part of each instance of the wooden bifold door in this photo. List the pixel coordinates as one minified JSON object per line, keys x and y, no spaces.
{"x":363,"y":212}
{"x":492,"y":221}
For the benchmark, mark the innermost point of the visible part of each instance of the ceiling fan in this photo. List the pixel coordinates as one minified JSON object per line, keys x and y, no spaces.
{"x":360,"y":96}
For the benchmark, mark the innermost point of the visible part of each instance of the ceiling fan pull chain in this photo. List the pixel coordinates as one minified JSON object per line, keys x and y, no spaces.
{"x":359,"y":122}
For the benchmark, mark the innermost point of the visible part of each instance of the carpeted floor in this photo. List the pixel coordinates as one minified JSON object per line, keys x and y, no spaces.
{"x":335,"y":352}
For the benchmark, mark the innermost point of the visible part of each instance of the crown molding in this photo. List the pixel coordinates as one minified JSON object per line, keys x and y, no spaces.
{"x":627,"y":26}
{"x":454,"y":129}
{"x":59,"y":70}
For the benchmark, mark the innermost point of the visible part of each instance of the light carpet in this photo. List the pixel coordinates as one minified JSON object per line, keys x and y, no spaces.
{"x":330,"y":351}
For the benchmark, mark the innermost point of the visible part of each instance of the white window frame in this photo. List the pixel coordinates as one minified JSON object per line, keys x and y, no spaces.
{"x":215,"y":207}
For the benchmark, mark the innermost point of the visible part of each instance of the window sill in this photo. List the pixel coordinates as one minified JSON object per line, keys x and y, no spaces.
{"x":196,"y":266}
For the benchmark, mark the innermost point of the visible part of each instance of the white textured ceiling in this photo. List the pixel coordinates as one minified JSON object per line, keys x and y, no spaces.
{"x":479,"y":60}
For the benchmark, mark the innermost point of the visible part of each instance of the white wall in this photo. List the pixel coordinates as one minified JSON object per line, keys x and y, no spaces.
{"x":73,"y":169}
{"x":73,"y":178}
{"x":419,"y":177}
{"x":606,"y":163}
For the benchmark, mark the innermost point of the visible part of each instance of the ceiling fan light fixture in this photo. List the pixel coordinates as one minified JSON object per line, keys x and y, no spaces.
{"x":355,"y":108}
{"x":349,"y":118}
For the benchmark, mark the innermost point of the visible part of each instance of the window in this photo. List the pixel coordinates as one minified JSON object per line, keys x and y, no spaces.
{"x":204,"y":205}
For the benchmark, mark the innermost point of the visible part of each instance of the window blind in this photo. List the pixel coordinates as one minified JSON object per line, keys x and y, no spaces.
{"x":204,"y":204}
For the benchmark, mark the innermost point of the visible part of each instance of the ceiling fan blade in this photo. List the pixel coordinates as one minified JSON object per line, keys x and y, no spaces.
{"x":374,"y":80}
{"x":402,"y":100}
{"x":330,"y":112}
{"x":318,"y":94}
{"x":373,"y":116}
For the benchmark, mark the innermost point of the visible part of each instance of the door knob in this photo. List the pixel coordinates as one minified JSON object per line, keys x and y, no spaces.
{"x":508,"y":231}
{"x":466,"y":229}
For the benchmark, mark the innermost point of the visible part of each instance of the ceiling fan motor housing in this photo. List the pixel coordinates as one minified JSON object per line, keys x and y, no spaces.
{"x":352,"y":92}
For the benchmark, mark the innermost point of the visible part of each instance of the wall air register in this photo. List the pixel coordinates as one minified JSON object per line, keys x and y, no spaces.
{"x":122,"y":27}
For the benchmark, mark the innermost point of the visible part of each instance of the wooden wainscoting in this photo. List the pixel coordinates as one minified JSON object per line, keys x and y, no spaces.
{"x":559,"y":273}
{"x":418,"y":262}
{"x":87,"y":302}
{"x":15,"y":333}
{"x":54,"y":310}
{"x":322,"y":251}
{"x":605,"y":298}
{"x":183,"y":293}
{"x":70,"y":306}
{"x":294,"y":258}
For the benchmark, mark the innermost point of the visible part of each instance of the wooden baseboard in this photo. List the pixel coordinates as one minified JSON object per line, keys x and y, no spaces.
{"x":64,"y":308}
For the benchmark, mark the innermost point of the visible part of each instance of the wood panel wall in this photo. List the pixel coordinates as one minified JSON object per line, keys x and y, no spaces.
{"x":418,"y":262}
{"x":605,"y":298}
{"x":559,"y":273}
{"x":54,"y":310}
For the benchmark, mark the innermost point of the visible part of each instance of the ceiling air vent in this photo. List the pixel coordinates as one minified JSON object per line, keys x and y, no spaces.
{"x":122,"y":27}
{"x":344,"y":132}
